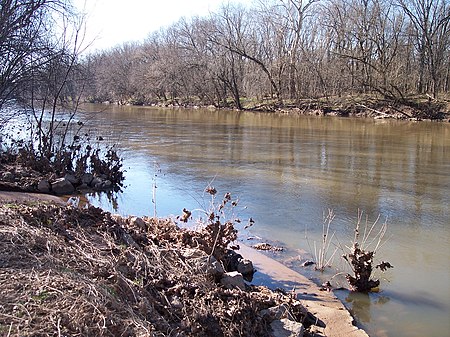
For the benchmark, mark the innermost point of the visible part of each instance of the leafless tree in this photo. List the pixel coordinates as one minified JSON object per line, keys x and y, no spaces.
{"x":235,"y":33}
{"x":26,"y":40}
{"x":430,"y":20}
{"x":285,"y":50}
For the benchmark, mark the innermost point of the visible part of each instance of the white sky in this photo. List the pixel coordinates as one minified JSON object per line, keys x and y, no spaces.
{"x":111,"y":22}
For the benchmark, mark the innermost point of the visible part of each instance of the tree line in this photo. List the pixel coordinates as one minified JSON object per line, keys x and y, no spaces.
{"x":278,"y":51}
{"x":283,"y":51}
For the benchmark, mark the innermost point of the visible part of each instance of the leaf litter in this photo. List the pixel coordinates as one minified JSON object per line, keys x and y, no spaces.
{"x":66,"y":271}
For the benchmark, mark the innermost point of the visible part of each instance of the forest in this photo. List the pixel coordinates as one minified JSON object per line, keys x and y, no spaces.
{"x":278,"y":52}
{"x":284,"y":51}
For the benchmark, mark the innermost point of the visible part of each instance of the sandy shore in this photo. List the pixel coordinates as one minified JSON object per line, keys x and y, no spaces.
{"x":29,"y":197}
{"x":323,"y":304}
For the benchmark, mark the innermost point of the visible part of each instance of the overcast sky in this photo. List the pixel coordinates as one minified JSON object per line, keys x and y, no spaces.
{"x":111,"y":22}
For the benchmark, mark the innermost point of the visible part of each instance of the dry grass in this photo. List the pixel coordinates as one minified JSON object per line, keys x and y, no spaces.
{"x":71,"y":272}
{"x":321,"y":254}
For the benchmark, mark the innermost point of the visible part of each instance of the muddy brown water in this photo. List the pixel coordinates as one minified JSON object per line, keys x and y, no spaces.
{"x":288,"y":171}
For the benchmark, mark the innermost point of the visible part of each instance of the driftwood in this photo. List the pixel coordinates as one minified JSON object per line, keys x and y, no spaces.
{"x":399,"y":111}
{"x":384,"y":113}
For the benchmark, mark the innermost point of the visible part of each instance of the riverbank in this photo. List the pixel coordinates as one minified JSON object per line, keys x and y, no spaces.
{"x":85,"y":271}
{"x":420,"y":108}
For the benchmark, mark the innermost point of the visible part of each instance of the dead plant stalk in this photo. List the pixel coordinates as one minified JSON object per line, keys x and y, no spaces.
{"x":321,"y":254}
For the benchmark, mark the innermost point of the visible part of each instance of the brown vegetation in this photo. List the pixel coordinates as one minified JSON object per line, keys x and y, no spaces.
{"x":278,"y":54}
{"x":22,"y":170}
{"x":361,"y":255}
{"x":69,"y":271}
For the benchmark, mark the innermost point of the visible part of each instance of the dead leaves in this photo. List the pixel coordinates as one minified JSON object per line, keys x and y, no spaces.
{"x":267,"y":246}
{"x":383,"y":266}
{"x":185,"y":216}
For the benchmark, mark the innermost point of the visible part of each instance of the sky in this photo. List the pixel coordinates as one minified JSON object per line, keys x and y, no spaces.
{"x":112,"y":22}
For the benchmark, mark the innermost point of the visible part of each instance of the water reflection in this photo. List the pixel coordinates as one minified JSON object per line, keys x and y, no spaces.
{"x":109,"y":196}
{"x":288,"y":170}
{"x":372,"y":313}
{"x":360,"y":305}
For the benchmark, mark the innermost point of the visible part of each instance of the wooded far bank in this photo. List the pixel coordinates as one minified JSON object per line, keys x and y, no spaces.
{"x":367,"y":54}
{"x":283,"y":52}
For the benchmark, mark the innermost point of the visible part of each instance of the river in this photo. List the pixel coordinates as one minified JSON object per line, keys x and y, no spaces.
{"x":287,"y":172}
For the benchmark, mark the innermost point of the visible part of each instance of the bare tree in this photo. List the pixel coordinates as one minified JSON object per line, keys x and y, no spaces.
{"x":55,"y":89}
{"x":26,"y":40}
{"x":286,"y":18}
{"x":430,"y":20}
{"x":285,"y":50}
{"x":234,"y":32}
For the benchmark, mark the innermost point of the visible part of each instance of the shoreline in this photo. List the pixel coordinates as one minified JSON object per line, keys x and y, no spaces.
{"x":330,"y":313}
{"x":322,"y":304}
{"x":426,"y":111}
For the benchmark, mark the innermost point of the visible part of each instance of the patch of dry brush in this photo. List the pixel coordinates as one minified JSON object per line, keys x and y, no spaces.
{"x":72,"y":272}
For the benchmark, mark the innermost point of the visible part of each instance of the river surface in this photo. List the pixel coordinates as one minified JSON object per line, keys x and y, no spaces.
{"x":287,"y":172}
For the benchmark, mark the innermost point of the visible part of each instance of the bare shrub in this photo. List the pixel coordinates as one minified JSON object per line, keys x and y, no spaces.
{"x":217,"y":229}
{"x":322,"y":256}
{"x":361,"y":255}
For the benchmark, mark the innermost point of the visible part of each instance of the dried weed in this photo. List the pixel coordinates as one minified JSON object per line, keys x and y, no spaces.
{"x":72,"y":272}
